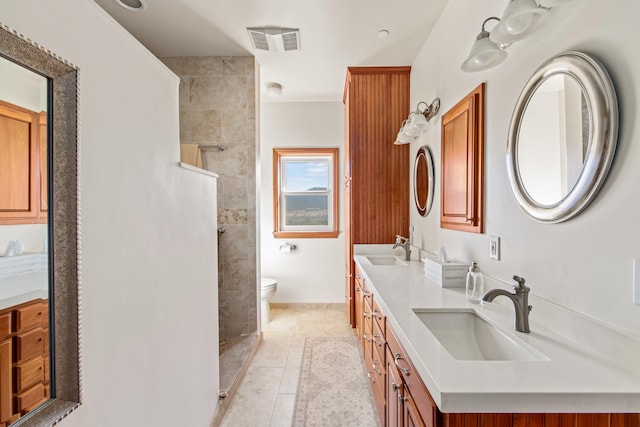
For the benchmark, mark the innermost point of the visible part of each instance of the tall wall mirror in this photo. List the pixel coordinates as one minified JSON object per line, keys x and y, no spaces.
{"x":39,"y":360}
{"x":423,"y":180}
{"x":562,"y":137}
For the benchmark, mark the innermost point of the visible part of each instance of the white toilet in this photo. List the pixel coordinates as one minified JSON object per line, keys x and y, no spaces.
{"x":267,"y":289}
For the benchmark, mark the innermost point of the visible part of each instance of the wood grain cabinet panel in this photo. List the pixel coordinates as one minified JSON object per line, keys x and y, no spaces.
{"x":29,"y":373}
{"x":377,"y":172}
{"x":30,"y":316}
{"x":5,"y":325}
{"x":21,"y":178}
{"x":29,"y":344}
{"x":29,"y":399}
{"x":462,"y":176}
{"x":6,"y":410}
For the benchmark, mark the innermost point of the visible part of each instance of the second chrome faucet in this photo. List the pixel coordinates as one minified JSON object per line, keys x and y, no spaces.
{"x":403,"y":242}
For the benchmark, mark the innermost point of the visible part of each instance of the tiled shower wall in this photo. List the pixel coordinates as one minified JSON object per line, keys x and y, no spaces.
{"x":217,"y":111}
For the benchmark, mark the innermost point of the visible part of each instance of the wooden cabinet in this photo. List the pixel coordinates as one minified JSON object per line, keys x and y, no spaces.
{"x":358,"y":302}
{"x":377,"y":172}
{"x":24,"y":359}
{"x":415,"y":406}
{"x":22,"y":178}
{"x":461,"y":183}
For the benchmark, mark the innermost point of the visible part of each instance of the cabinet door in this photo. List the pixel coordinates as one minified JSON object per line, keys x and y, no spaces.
{"x":358,"y":296}
{"x":394,"y":393}
{"x":18,"y":137}
{"x":462,"y":192}
{"x":42,"y":164}
{"x":411,"y":415}
{"x":5,"y":381}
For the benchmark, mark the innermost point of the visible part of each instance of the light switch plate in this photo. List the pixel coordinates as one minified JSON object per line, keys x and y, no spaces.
{"x":636,"y":281}
{"x":494,"y":248}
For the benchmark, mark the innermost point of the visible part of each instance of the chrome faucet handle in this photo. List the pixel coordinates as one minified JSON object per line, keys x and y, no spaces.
{"x":520,"y":286}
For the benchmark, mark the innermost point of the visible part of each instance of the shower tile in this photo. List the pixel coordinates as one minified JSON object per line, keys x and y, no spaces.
{"x":232,"y":216}
{"x":237,"y":65}
{"x":200,"y":126}
{"x":218,"y":92}
{"x":183,"y":93}
{"x":193,"y":65}
{"x":239,"y":125}
{"x":234,"y":192}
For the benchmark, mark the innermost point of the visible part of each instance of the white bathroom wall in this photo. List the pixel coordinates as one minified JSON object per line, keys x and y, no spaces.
{"x":314,"y":272}
{"x":32,"y":236}
{"x":149,"y":345}
{"x":584,"y":264}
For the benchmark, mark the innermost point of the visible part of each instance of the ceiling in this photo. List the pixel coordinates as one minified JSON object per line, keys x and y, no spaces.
{"x":334,"y":34}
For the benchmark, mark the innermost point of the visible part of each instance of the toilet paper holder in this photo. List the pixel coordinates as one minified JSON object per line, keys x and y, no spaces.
{"x":287,"y":248}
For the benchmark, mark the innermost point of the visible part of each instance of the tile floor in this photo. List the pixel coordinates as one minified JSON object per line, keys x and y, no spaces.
{"x":267,"y":394}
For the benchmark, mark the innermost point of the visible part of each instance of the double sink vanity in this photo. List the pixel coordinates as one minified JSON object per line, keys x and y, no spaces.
{"x":473,"y":366}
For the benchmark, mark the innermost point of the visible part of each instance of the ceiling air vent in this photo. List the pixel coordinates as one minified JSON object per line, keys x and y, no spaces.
{"x":275,"y":39}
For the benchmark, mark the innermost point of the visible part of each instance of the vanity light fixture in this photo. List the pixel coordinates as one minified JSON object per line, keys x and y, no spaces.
{"x":484,"y":53}
{"x":519,"y":20}
{"x":417,"y":120}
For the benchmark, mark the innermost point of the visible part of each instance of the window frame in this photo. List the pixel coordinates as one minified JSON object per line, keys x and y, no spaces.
{"x":278,"y":205}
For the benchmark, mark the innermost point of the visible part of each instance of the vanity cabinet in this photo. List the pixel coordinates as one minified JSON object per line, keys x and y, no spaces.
{"x":24,"y":359}
{"x":376,"y":181}
{"x":23,"y":144}
{"x":413,"y":406}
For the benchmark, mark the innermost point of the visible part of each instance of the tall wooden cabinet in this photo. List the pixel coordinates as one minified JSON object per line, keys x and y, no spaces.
{"x":377,"y":172}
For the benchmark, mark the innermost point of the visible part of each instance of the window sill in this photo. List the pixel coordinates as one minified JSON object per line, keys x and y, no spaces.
{"x":306,"y":234}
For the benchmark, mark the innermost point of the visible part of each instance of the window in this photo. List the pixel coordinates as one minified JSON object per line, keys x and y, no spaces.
{"x":305,"y":200}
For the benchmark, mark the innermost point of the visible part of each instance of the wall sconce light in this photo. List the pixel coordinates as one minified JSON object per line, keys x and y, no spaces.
{"x":417,"y":120}
{"x":520,"y":19}
{"x":484,"y":53}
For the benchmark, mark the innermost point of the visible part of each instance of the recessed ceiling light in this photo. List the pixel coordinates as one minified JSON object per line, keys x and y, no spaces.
{"x":383,"y":34}
{"x":133,"y":5}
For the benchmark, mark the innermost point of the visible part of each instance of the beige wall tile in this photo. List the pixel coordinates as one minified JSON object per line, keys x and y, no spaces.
{"x":218,"y":92}
{"x":200,"y":126}
{"x":193,"y":65}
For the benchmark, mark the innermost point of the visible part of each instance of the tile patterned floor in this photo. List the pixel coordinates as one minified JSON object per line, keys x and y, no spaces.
{"x":267,"y":394}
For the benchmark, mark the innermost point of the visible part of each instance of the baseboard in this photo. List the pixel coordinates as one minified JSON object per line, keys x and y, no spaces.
{"x":309,"y":305}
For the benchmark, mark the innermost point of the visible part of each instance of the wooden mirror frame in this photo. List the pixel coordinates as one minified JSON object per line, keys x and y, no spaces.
{"x":63,"y":224}
{"x":423,"y":156}
{"x":599,"y":92}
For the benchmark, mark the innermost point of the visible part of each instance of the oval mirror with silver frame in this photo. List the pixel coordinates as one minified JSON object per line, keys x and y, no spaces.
{"x":562,"y":137}
{"x":423,"y":180}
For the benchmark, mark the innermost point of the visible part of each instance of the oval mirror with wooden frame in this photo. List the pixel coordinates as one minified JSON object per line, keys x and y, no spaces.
{"x":423,"y":180}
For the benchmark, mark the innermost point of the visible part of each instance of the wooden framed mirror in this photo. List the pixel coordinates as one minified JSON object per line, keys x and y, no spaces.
{"x":58,"y":170}
{"x":423,"y":180}
{"x":562,"y":137}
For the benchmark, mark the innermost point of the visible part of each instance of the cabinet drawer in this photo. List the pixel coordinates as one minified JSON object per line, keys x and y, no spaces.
{"x":29,"y":374}
{"x":5,"y":325}
{"x":379,"y":317}
{"x":379,"y":369}
{"x":46,"y":366}
{"x":377,"y":337}
{"x":29,"y":344}
{"x":32,"y":315}
{"x":29,"y":399}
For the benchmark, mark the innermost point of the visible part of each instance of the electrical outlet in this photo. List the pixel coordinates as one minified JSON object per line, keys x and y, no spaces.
{"x":494,"y":248}
{"x":636,"y":281}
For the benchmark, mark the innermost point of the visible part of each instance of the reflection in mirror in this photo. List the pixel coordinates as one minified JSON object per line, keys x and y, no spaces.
{"x":39,"y":352}
{"x":24,"y":278}
{"x":550,"y":157}
{"x":423,"y":180}
{"x":562,"y":137}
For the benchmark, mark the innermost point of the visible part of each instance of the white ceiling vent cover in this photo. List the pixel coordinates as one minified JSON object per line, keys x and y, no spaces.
{"x":275,"y":39}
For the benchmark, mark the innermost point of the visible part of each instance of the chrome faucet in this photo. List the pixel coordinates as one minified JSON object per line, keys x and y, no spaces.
{"x":520,"y":298}
{"x":403,"y":242}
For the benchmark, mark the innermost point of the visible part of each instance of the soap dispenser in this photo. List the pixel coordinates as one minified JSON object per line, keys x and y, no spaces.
{"x":475,"y":284}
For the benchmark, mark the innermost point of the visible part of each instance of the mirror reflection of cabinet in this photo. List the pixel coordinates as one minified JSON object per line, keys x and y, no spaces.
{"x":23,"y":145}
{"x":461,"y":183}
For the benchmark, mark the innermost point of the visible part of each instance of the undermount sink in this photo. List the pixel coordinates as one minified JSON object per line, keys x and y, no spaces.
{"x":467,"y":336}
{"x":385,"y":260}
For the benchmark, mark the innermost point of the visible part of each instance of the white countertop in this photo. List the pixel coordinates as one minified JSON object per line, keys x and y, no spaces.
{"x":569,"y":380}
{"x":23,"y":278}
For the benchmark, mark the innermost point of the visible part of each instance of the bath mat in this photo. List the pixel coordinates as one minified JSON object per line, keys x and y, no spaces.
{"x":333,"y":390}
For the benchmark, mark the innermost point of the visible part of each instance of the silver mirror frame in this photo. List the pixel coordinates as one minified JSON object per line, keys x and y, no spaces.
{"x":425,"y":152}
{"x":600,"y":96}
{"x":64,"y":220}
